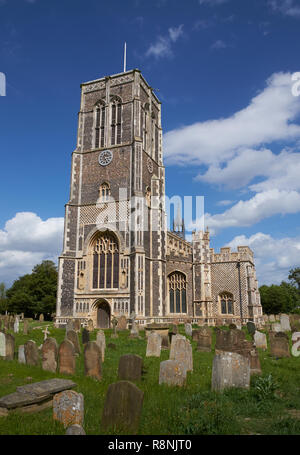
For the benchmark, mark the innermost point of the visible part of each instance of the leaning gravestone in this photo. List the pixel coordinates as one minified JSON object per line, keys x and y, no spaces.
{"x":100,"y":340}
{"x":285,"y":323}
{"x":9,"y":346}
{"x":25,"y":327}
{"x":153,"y":345}
{"x":260,"y":340}
{"x":279,"y":345}
{"x":204,"y":339}
{"x":21,"y":354}
{"x":85,"y":336}
{"x":31,"y":353}
{"x":230,"y":370}
{"x":68,"y":408}
{"x":73,"y":337}
{"x":130,"y":367}
{"x":122,"y":323}
{"x":181,"y":350}
{"x":2,"y":345}
{"x":175,"y":338}
{"x":188,"y":329}
{"x":172,"y":372}
{"x":92,"y":360}
{"x":67,"y":359}
{"x":49,"y":355}
{"x":122,"y":407}
{"x":251,"y":327}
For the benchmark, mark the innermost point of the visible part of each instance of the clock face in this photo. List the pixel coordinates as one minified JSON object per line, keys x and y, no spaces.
{"x":105,"y":157}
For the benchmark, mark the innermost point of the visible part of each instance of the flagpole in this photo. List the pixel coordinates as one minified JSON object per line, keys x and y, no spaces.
{"x":125,"y":57}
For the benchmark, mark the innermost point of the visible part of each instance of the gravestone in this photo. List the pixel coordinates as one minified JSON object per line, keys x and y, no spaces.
{"x":50,"y":355}
{"x":134,"y":332}
{"x":122,"y":323}
{"x":69,"y":325}
{"x":204,"y":339}
{"x":279,"y":345}
{"x":272,"y":318}
{"x":251,"y":327}
{"x":276,"y":327}
{"x":153,"y":345}
{"x":130,"y":367}
{"x":114,"y":323}
{"x":68,"y":408}
{"x":173,"y":343}
{"x":41,"y":318}
{"x":285,"y":323}
{"x":21,"y":354}
{"x":25,"y":327}
{"x":75,"y":430}
{"x":73,"y":337}
{"x":9,"y":346}
{"x":85,"y":336}
{"x":67,"y":359}
{"x":172,"y":372}
{"x":16,"y":325}
{"x":77,"y":325}
{"x":188,"y":329}
{"x":31,"y":353}
{"x":46,"y":333}
{"x":92,"y":360}
{"x":230,"y":370}
{"x":183,"y":352}
{"x":122,"y":407}
{"x":296,"y":344}
{"x":260,"y":340}
{"x":90,"y":325}
{"x":101,"y":343}
{"x":2,"y":345}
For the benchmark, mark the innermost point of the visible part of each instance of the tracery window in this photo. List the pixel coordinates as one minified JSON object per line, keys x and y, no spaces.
{"x":226,"y":301}
{"x":105,"y":262}
{"x":177,"y":293}
{"x":99,"y":125}
{"x":116,"y":115}
{"x":104,"y":192}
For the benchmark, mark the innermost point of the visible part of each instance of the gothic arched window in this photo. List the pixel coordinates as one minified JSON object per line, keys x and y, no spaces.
{"x":116,"y":116}
{"x":105,"y":261}
{"x":104,"y":192}
{"x":177,"y":293}
{"x":99,"y":124}
{"x":226,"y":302}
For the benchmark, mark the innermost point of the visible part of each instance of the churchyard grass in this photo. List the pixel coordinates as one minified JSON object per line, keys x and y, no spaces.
{"x":269,"y":407}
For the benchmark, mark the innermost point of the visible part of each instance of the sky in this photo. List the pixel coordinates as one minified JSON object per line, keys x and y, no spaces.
{"x":226,"y":74}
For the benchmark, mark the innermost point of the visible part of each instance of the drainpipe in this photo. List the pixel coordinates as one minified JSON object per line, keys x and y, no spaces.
{"x":240,"y":289}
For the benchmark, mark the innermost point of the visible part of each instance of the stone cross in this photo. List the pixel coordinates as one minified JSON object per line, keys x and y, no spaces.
{"x":46,"y":333}
{"x":114,"y":322}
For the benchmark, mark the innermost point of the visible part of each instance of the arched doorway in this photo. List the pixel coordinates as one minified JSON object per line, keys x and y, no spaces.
{"x":103,"y":314}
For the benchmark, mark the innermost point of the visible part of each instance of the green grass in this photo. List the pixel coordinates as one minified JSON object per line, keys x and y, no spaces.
{"x":193,"y":409}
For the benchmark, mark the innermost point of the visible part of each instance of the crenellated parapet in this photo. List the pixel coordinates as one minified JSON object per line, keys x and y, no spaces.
{"x":243,"y":254}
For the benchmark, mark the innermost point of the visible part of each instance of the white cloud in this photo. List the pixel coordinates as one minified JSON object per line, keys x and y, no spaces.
{"x":225,"y":202}
{"x":286,"y":7}
{"x":273,"y":257}
{"x":262,"y":205}
{"x":163,"y":45}
{"x":219,"y":44}
{"x":27,"y":240}
{"x":269,"y":117}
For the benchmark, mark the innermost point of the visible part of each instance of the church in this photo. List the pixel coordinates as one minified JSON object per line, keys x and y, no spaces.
{"x":118,"y":255}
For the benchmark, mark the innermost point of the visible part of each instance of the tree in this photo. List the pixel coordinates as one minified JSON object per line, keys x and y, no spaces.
{"x":34,"y":293}
{"x":3,"y":300}
{"x":294,"y":277}
{"x":283,"y":298}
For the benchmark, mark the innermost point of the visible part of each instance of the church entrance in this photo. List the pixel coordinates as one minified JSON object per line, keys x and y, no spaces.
{"x":103,"y":315}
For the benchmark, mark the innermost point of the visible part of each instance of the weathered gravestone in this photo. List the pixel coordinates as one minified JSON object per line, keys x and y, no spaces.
{"x":153,"y":345}
{"x":92,"y":360}
{"x":68,"y":408}
{"x":173,"y":343}
{"x":188,"y":329}
{"x":203,"y":336}
{"x":260,"y":340}
{"x":114,"y":323}
{"x":285,"y":323}
{"x":272,"y":318}
{"x":230,"y":370}
{"x":10,"y":346}
{"x":276,"y":327}
{"x":279,"y":345}
{"x":183,"y":352}
{"x":72,"y":336}
{"x":101,"y":343}
{"x":251,"y":327}
{"x":85,"y":336}
{"x":25,"y":327}
{"x":130,"y":367}
{"x":122,"y":323}
{"x":46,"y":333}
{"x":16,"y":325}
{"x":77,"y":325}
{"x":41,"y":318}
{"x":173,"y":330}
{"x":134,"y":332}
{"x":31,"y":353}
{"x":49,"y":355}
{"x":67,"y":359}
{"x":122,"y":407}
{"x":21,"y":354}
{"x":296,"y":344}
{"x":2,"y":345}
{"x":90,"y":325}
{"x":172,"y":372}
{"x":75,"y":430}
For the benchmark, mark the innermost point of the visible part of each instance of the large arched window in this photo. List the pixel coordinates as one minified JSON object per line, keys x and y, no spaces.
{"x":226,"y":303}
{"x":116,"y":115}
{"x":105,"y":261}
{"x":99,"y":124}
{"x":177,"y":293}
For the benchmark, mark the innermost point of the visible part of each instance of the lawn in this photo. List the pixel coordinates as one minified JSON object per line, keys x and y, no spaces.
{"x":271,"y":406}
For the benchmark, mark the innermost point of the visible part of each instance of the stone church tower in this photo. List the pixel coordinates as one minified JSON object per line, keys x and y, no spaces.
{"x":118,"y":256}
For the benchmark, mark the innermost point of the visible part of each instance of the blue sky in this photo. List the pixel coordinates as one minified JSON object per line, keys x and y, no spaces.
{"x":222,"y":69}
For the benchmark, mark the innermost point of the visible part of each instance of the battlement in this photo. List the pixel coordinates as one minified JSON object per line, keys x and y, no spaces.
{"x":244,"y":253}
